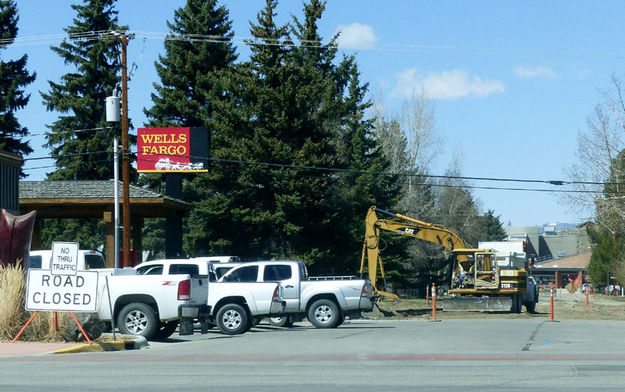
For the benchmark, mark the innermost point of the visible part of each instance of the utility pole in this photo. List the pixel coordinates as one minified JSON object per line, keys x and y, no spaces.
{"x":125,"y":157}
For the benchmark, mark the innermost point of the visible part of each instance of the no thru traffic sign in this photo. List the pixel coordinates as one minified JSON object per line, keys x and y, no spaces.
{"x":64,"y":258}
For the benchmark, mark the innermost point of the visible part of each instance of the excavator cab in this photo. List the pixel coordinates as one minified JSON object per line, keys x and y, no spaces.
{"x":474,"y":271}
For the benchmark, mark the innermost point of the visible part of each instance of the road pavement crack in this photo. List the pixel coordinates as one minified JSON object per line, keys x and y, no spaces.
{"x":531,"y":339}
{"x":353,"y":334}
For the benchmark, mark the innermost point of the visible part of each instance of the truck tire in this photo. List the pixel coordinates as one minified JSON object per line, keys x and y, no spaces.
{"x":530,"y":307}
{"x":324,"y":313}
{"x":232,"y":319}
{"x":138,"y":319}
{"x":165,"y":330}
{"x":285,"y":321}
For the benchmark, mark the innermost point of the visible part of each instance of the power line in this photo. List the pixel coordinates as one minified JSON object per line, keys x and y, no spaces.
{"x":351,"y":171}
{"x":56,"y":133}
{"x":382,"y":173}
{"x":259,"y":41}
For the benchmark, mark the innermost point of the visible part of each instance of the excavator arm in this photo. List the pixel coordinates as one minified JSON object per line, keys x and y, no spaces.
{"x":403,"y":225}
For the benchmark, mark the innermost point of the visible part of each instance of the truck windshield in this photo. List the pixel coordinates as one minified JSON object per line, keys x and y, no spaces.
{"x":94,"y":261}
{"x":150,"y":270}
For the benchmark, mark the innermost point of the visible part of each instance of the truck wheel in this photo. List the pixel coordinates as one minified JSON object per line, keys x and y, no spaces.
{"x":323,"y":314}
{"x":285,"y":322}
{"x":138,"y":319}
{"x":530,"y":307}
{"x":232,"y":319}
{"x":165,"y":330}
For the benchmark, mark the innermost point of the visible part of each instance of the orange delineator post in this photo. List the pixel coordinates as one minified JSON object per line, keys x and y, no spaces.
{"x":551,"y":301}
{"x":427,"y":294}
{"x":433,"y":302}
{"x":587,"y":293}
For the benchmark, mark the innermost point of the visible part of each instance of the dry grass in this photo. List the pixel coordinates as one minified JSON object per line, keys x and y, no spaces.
{"x":12,"y":291}
{"x":13,"y":316}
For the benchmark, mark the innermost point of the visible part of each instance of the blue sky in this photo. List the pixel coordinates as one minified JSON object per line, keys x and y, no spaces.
{"x":512,"y":81}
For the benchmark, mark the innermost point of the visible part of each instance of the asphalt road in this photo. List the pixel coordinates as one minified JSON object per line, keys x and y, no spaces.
{"x":363,"y":355}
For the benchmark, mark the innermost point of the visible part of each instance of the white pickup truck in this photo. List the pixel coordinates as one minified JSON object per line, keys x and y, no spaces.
{"x":232,"y":307}
{"x":151,"y":305}
{"x":324,"y":300}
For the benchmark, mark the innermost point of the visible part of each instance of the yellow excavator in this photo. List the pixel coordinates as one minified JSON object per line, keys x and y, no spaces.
{"x":476,"y":281}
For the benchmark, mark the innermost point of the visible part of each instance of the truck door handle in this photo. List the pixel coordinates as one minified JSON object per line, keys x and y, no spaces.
{"x":289,"y":286}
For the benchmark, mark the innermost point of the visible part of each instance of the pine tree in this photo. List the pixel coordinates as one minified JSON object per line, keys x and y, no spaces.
{"x":80,"y":140}
{"x":197,"y":53}
{"x":492,"y":227}
{"x":13,"y":78}
{"x":293,"y":106}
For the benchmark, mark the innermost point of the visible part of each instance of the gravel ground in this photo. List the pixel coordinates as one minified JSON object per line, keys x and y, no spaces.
{"x":566,"y":307}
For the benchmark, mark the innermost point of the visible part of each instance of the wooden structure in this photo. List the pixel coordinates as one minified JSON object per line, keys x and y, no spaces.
{"x":94,"y":199}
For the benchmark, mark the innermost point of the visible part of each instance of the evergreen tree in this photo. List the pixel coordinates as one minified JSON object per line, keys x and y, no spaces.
{"x":197,"y":53}
{"x":80,"y":139}
{"x":13,"y":78}
{"x":603,"y":261}
{"x":492,"y":227}
{"x":241,"y":214}
{"x":293,"y":106}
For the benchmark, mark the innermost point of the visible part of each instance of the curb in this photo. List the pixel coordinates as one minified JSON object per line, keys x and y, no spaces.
{"x":106,"y":343}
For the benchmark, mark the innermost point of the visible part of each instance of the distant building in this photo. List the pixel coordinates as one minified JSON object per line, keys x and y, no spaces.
{"x":551,"y":243}
{"x":553,"y":255}
{"x":562,"y":271}
{"x":10,"y":165}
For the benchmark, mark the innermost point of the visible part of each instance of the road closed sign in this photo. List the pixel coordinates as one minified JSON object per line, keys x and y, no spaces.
{"x":61,"y":293}
{"x":64,"y":258}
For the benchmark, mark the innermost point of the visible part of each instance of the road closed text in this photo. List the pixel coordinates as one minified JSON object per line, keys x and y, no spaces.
{"x":70,"y":293}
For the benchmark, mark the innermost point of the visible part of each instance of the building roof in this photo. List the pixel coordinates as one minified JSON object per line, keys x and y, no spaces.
{"x":90,"y":189}
{"x":572,"y":262}
{"x":83,"y":199}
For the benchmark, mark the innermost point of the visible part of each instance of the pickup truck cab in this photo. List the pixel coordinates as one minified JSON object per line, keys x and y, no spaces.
{"x":232,"y":307}
{"x":325,"y":301}
{"x":194,"y":266}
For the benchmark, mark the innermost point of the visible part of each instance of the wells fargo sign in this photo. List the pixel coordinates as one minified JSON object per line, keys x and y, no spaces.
{"x":172,"y":149}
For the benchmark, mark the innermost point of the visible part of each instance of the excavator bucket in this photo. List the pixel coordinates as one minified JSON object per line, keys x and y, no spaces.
{"x":392,"y":296}
{"x":486,"y":304}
